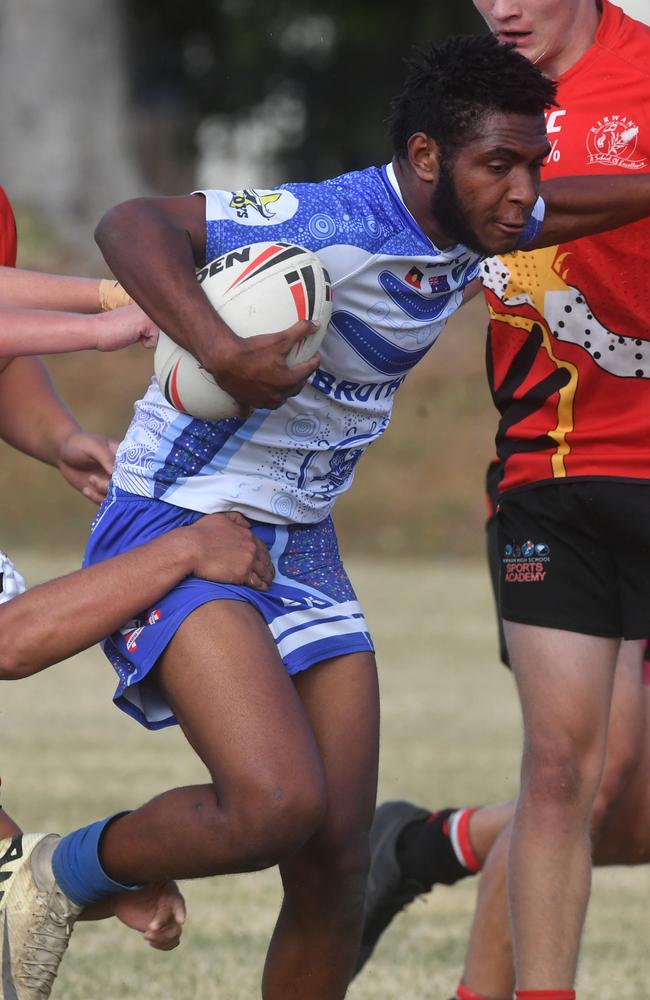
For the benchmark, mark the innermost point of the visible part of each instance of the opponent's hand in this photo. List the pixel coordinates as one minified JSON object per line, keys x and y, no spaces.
{"x":254,"y":370}
{"x":227,"y":551}
{"x":86,"y":461}
{"x":157,"y":911}
{"x":124,"y":326}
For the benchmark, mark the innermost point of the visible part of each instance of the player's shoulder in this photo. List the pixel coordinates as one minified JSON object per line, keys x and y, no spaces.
{"x":347,"y":193}
{"x":625,"y":40}
{"x":352,"y":209}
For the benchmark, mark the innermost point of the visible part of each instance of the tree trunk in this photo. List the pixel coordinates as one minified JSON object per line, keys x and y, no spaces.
{"x":65,"y":152}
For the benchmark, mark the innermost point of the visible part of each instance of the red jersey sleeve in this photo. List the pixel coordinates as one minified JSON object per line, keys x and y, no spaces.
{"x":8,"y":242}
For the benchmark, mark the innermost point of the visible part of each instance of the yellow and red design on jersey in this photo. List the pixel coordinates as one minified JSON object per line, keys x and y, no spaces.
{"x":569,"y":339}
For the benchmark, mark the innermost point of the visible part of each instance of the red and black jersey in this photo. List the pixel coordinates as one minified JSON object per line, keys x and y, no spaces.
{"x":569,"y":338}
{"x":8,"y":243}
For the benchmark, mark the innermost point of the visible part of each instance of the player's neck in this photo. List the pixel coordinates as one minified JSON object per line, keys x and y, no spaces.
{"x":419,"y":204}
{"x":578,"y":41}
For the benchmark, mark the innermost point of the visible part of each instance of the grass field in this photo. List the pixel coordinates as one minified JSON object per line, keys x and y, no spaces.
{"x":450,"y":736}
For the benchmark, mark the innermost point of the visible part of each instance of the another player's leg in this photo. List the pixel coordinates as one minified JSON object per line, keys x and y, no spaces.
{"x":239,"y":709}
{"x":625,"y":736}
{"x":625,"y":835}
{"x":413,"y":849}
{"x":315,"y":942}
{"x":8,"y":827}
{"x":488,"y":970}
{"x":565,"y":684}
{"x":36,"y":918}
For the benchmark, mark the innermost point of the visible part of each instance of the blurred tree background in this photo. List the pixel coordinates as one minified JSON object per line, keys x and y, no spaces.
{"x":106,"y":101}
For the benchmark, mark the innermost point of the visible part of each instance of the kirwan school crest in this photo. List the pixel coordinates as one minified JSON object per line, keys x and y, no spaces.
{"x":613,"y":140}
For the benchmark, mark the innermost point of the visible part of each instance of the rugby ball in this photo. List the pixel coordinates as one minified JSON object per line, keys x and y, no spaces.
{"x":256,"y":289}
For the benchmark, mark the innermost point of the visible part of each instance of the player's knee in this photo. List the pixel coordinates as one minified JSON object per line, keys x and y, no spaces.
{"x":341,"y":855}
{"x":277,"y":820}
{"x":559,"y":773}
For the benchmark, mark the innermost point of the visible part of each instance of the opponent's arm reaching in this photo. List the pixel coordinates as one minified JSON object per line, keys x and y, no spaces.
{"x":24,"y":289}
{"x":582,"y":206}
{"x":32,"y":417}
{"x":154,"y":245}
{"x":58,"y":619}
{"x":53,"y":313}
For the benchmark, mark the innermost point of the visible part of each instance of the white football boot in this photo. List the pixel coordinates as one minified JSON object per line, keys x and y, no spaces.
{"x":36,"y":917}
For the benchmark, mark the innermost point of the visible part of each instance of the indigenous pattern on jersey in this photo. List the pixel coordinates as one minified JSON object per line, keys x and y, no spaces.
{"x":310,"y":608}
{"x":392,"y":293}
{"x":11,"y":581}
{"x":569,"y":338}
{"x":8,"y":242}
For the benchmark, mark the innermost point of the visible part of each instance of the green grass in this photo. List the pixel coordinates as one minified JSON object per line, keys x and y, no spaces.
{"x":450,"y":736}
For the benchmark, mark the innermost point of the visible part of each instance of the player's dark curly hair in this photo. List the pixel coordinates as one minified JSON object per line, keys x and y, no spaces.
{"x":449,"y":89}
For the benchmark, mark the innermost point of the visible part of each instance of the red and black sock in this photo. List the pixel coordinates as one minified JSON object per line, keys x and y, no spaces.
{"x":438,"y":849}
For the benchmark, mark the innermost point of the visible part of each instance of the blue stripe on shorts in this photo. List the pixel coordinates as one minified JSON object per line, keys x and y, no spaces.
{"x":310,"y":608}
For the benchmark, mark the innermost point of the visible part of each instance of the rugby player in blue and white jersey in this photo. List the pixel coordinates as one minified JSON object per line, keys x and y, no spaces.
{"x":277,"y":693}
{"x":52,"y":314}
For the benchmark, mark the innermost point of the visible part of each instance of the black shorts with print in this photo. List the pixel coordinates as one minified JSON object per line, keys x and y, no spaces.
{"x":575,"y":555}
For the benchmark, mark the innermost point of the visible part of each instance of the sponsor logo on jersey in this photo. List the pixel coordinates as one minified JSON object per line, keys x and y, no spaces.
{"x":525,"y":562}
{"x":360,"y":392}
{"x":251,"y":207}
{"x":613,"y":140}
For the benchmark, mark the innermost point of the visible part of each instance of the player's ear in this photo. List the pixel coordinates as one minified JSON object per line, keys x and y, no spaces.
{"x":424,"y":157}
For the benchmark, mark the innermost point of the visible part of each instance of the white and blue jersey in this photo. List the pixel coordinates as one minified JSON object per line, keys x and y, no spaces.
{"x":393,"y":291}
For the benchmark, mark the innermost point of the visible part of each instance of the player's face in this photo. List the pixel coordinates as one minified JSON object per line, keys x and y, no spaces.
{"x":484,"y":198}
{"x":554,"y":34}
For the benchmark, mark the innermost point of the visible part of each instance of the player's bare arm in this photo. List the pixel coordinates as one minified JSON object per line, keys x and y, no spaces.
{"x":153,"y":246}
{"x":24,"y":289}
{"x":64,"y":616}
{"x":582,"y":206}
{"x":38,"y":331}
{"x":35,"y":421}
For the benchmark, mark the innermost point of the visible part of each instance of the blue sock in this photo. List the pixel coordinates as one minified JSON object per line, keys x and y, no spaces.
{"x":77,"y":867}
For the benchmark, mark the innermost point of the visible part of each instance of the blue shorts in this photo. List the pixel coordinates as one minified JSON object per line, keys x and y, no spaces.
{"x":310,"y":608}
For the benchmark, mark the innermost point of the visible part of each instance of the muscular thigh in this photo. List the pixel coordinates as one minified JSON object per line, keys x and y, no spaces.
{"x":224,"y":679}
{"x":341,"y":700}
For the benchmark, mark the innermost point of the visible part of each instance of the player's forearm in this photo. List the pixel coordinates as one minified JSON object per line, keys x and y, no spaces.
{"x":582,"y":206}
{"x":58,"y":619}
{"x":153,"y":246}
{"x":32,"y":417}
{"x":30,"y":331}
{"x":23,"y":289}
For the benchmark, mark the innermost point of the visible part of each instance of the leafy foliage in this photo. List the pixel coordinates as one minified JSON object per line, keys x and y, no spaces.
{"x":341,"y":61}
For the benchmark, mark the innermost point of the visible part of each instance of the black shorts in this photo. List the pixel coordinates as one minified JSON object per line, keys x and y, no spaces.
{"x":575,"y":555}
{"x":494,"y":566}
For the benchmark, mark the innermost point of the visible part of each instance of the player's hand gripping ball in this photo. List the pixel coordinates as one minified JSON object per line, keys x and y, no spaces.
{"x":256,"y":289}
